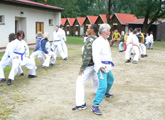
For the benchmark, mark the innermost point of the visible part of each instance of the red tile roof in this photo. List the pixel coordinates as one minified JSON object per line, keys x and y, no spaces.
{"x":92,"y":19}
{"x":63,"y":21}
{"x":104,"y":17}
{"x":137,"y":21}
{"x":71,"y":21}
{"x":35,"y":4}
{"x":81,"y":20}
{"x":141,"y":20}
{"x":125,"y":18}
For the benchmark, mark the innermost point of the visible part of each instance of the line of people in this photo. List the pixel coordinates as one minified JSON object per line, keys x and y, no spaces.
{"x":135,"y":44}
{"x":17,"y":53}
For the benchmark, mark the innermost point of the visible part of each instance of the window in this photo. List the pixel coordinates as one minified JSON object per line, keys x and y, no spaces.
{"x":39,"y":27}
{"x":50,"y":22}
{"x":2,"y":21}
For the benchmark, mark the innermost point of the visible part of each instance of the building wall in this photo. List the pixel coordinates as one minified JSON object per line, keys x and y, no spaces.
{"x":26,"y":22}
{"x":86,"y":23}
{"x":67,"y":28}
{"x":81,"y":30}
{"x":115,"y":24}
{"x":76,"y":28}
{"x":98,"y":23}
{"x":161,"y":31}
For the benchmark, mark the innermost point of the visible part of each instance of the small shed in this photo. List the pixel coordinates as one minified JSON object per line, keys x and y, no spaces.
{"x":69,"y":26}
{"x":89,"y":20}
{"x":78,"y":26}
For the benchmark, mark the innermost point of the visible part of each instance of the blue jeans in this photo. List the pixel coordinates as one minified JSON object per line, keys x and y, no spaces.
{"x":121,"y":48}
{"x":105,"y":84}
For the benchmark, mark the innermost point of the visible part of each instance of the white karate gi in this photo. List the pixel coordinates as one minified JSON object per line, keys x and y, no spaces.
{"x":63,"y":44}
{"x":7,"y":61}
{"x":56,"y":45}
{"x":21,"y":47}
{"x":136,"y":47}
{"x":151,"y":40}
{"x":129,"y":46}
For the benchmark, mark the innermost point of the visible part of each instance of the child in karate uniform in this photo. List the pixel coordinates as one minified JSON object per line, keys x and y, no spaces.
{"x":6,"y":59}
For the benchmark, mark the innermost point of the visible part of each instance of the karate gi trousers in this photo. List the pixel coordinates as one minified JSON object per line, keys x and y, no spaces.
{"x":128,"y":52}
{"x":28,"y":63}
{"x":81,"y":82}
{"x":38,"y":53}
{"x":7,"y":62}
{"x":137,"y":52}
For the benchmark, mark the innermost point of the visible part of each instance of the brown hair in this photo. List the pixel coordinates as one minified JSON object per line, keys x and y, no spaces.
{"x":12,"y":37}
{"x":19,"y":33}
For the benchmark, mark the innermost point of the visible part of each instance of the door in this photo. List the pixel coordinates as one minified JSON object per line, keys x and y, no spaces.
{"x":16,"y":26}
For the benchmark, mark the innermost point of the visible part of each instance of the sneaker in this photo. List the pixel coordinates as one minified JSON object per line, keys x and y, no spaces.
{"x":131,"y":53}
{"x":65,"y":59}
{"x":82,"y":107}
{"x":134,"y":62}
{"x":142,"y":56}
{"x":32,"y":76}
{"x":128,"y":61}
{"x":9,"y":82}
{"x":51,"y":65}
{"x":108,"y":95}
{"x":2,"y":80}
{"x":43,"y":68}
{"x":95,"y":109}
{"x":146,"y":55}
{"x":22,"y":74}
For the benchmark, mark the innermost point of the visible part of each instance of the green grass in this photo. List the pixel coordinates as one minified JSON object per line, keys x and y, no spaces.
{"x":159,"y":44}
{"x":75,"y":40}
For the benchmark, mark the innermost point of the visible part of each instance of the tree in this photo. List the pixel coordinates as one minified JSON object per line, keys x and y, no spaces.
{"x":150,"y":11}
{"x":109,"y":11}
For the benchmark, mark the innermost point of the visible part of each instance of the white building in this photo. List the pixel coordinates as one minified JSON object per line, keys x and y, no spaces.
{"x":28,"y":16}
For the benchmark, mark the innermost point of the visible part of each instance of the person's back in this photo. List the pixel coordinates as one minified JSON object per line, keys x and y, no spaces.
{"x":139,"y":37}
{"x":130,"y":38}
{"x":135,"y":40}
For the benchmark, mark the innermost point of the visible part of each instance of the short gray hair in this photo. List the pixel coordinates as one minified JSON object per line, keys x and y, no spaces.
{"x":103,"y":27}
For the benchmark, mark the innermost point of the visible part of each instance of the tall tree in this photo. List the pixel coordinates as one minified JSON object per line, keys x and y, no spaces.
{"x":150,"y":10}
{"x":109,"y":11}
